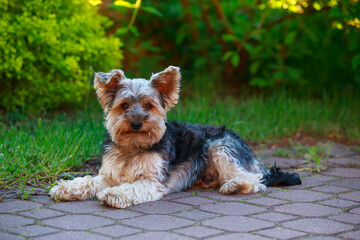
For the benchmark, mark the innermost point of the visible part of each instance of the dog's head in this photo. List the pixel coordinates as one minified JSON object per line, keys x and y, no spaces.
{"x":136,"y":109}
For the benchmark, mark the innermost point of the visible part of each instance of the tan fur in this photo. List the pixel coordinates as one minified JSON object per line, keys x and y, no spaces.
{"x":231,"y":177}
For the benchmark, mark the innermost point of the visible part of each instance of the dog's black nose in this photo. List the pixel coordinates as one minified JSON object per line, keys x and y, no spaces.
{"x":136,"y":125}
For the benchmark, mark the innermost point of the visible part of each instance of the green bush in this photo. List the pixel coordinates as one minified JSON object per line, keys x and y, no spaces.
{"x":48,"y":51}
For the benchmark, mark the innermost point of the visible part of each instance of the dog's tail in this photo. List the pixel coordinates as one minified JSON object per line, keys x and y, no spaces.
{"x":276,"y":177}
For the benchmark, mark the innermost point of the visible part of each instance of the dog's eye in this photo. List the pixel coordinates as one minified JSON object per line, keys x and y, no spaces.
{"x":148,"y":107}
{"x":125,"y":106}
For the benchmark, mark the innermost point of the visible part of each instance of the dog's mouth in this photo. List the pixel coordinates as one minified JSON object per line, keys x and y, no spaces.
{"x":135,"y":132}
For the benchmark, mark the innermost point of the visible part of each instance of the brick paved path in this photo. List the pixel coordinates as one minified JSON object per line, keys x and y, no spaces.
{"x":325,"y":206}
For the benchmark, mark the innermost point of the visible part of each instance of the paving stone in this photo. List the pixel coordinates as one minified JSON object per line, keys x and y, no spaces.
{"x":43,"y":199}
{"x":347,"y":218}
{"x":218,"y":196}
{"x":266,"y":201}
{"x":342,"y":161}
{"x":306,"y":183}
{"x":80,"y":207}
{"x":330,"y":189}
{"x":232,"y":208}
{"x":197,"y":215}
{"x":355,"y":211}
{"x":237,"y":236}
{"x":281,"y":233}
{"x":115,"y":231}
{"x":340,"y":203}
{"x":300,"y":195}
{"x":322,"y":238}
{"x":340,"y":150}
{"x":8,"y":236}
{"x":237,"y":223}
{"x":194,"y":201}
{"x":69,"y":235}
{"x":33,"y":230}
{"x":283,"y":162}
{"x":273,"y":189}
{"x":160,"y":207}
{"x":157,"y":222}
{"x":353,"y":183}
{"x":353,"y":196}
{"x":318,"y":226}
{"x":156,"y":236}
{"x":198,"y":231}
{"x":344,"y":172}
{"x":273,"y":217}
{"x":320,"y":178}
{"x":41,"y":213}
{"x":9,"y":221}
{"x":176,"y":195}
{"x":307,"y":209}
{"x":351,"y":235}
{"x":118,"y":214}
{"x":17,"y":205}
{"x":77,"y":222}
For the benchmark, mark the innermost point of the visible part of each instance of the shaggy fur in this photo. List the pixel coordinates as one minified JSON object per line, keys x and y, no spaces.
{"x":145,"y":157}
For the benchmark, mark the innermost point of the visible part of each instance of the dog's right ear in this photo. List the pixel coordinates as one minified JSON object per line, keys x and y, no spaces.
{"x":106,"y":85}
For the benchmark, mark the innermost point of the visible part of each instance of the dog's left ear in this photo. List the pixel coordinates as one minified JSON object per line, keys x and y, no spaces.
{"x":167,"y":83}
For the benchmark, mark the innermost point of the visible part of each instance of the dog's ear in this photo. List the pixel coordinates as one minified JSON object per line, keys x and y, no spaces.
{"x":106,"y":85}
{"x":167,"y":83}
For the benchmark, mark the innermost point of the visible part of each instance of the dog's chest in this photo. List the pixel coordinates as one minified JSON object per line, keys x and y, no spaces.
{"x":120,"y":168}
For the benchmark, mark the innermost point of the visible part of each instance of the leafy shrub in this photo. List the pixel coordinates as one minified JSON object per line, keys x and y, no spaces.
{"x":48,"y":50}
{"x":309,"y":46}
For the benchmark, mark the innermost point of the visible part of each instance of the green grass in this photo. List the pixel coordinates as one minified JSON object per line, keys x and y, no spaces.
{"x":37,"y":149}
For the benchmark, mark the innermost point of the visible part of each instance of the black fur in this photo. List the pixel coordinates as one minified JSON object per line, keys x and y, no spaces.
{"x":276,"y":177}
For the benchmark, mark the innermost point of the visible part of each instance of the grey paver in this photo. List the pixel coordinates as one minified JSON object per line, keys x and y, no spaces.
{"x":160,"y":207}
{"x":176,"y":195}
{"x":156,"y":236}
{"x":41,"y":213}
{"x":194,"y":200}
{"x":340,"y":150}
{"x":116,"y":231}
{"x":300,"y":195}
{"x":322,"y":238}
{"x":347,"y":218}
{"x":8,"y":236}
{"x":344,"y":172}
{"x":157,"y":222}
{"x":218,"y":196}
{"x":17,"y":205}
{"x":42,"y":199}
{"x":118,"y":214}
{"x":340,"y":203}
{"x":80,"y":207}
{"x":320,"y":178}
{"x":318,"y":226}
{"x":237,"y":223}
{"x":281,"y":233}
{"x":197,"y":215}
{"x":307,"y":209}
{"x":353,"y":196}
{"x":198,"y":231}
{"x":273,"y":217}
{"x":77,"y":222}
{"x":342,"y":161}
{"x":330,"y":189}
{"x":9,"y":221}
{"x":33,"y":230}
{"x":237,"y":236}
{"x":351,"y":235}
{"x":69,"y":235}
{"x":266,"y":201}
{"x":232,"y":208}
{"x":355,"y":210}
{"x":353,"y":183}
{"x":306,"y":183}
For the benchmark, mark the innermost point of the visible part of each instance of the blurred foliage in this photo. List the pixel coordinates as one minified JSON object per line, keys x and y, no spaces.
{"x":48,"y":51}
{"x":308,"y":46}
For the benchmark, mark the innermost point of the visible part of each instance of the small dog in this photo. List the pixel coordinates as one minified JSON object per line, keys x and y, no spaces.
{"x":145,"y":157}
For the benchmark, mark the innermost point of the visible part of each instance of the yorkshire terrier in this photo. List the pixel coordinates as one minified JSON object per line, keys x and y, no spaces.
{"x":145,"y":157}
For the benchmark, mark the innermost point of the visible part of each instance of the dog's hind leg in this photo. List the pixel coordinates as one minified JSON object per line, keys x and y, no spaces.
{"x":80,"y":188}
{"x":233,"y":173}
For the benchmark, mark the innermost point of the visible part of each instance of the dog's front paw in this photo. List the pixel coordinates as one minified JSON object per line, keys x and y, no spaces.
{"x":114,"y":198}
{"x":61,"y":191}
